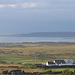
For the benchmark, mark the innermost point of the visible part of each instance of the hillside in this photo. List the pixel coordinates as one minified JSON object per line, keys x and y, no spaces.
{"x":43,"y":34}
{"x":48,"y":34}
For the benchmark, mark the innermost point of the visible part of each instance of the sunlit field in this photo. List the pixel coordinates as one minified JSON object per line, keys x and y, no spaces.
{"x":21,"y":53}
{"x":25,"y":54}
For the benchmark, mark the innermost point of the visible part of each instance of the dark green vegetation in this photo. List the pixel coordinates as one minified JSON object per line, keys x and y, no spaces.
{"x":68,"y":72}
{"x":65,"y":72}
{"x":34,"y":53}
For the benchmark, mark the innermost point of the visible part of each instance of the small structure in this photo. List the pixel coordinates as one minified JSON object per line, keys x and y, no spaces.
{"x":60,"y":62}
{"x":16,"y":72}
{"x":50,"y":64}
{"x":69,"y":61}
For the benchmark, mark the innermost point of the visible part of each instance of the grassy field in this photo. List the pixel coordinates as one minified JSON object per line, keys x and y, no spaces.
{"x":21,"y":53}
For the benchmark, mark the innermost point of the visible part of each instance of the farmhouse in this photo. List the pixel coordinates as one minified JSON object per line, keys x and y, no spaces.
{"x":60,"y":62}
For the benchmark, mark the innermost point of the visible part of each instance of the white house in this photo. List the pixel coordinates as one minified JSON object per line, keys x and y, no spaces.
{"x":60,"y":62}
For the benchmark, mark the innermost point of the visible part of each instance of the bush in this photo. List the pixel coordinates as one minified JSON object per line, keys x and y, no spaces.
{"x":68,"y":72}
{"x":3,"y":62}
{"x":30,"y":66}
{"x":19,"y":63}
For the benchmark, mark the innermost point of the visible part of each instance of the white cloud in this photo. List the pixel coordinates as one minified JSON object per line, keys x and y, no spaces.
{"x":28,"y":5}
{"x":25,"y":5}
{"x":51,"y":4}
{"x":11,"y":5}
{"x":35,"y":4}
{"x":1,"y":6}
{"x":7,"y":5}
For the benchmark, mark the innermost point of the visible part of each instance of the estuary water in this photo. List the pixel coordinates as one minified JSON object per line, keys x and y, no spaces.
{"x":6,"y":39}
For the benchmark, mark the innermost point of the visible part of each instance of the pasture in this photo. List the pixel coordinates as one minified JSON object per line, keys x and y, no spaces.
{"x":25,"y":55}
{"x":35,"y":53}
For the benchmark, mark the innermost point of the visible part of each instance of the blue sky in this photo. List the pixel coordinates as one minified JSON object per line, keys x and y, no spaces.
{"x":26,"y":16}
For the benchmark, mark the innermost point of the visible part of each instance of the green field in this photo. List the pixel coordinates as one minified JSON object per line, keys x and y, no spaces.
{"x":21,"y":53}
{"x":28,"y":54}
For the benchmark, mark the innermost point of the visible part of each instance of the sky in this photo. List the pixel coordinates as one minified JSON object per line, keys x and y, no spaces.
{"x":26,"y":16}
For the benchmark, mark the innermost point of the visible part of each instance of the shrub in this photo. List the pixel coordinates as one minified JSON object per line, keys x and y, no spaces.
{"x":68,"y":72}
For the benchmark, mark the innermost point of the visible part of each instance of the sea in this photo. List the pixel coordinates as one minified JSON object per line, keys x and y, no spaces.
{"x":6,"y":39}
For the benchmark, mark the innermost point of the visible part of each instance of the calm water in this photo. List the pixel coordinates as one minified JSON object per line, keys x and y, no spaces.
{"x":35,"y":39}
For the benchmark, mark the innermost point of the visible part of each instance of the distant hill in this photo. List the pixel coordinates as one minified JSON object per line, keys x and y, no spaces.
{"x":7,"y":34}
{"x":43,"y":34}
{"x":47,"y":34}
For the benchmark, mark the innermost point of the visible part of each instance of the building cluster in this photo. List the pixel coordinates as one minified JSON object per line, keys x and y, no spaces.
{"x":60,"y":62}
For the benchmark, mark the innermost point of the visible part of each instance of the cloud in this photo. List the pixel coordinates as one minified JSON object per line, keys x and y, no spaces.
{"x":11,"y":5}
{"x":41,"y":4}
{"x":7,"y":5}
{"x":25,"y":5}
{"x":29,"y":5}
{"x":1,"y":6}
{"x":20,"y":5}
